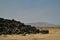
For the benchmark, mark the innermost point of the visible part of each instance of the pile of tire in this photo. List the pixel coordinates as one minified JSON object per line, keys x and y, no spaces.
{"x":8,"y":26}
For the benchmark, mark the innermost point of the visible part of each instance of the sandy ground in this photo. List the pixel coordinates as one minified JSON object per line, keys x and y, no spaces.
{"x":54,"y":34}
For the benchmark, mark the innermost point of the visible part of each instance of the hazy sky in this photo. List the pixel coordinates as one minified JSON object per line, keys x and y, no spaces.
{"x":28,"y":11}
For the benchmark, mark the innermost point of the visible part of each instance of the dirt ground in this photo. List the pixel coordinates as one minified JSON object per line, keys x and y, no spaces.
{"x":54,"y":34}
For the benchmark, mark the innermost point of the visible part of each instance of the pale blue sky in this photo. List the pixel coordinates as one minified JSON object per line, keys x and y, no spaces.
{"x":28,"y":11}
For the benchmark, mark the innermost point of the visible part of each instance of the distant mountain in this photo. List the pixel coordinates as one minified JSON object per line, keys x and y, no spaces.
{"x":43,"y":24}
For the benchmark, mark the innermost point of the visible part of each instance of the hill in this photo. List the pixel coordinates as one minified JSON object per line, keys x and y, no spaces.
{"x":43,"y":24}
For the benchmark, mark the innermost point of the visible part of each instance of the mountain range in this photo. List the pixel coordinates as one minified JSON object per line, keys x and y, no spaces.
{"x":43,"y":24}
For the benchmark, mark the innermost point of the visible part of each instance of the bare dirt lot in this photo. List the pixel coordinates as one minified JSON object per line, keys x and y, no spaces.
{"x":54,"y":34}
